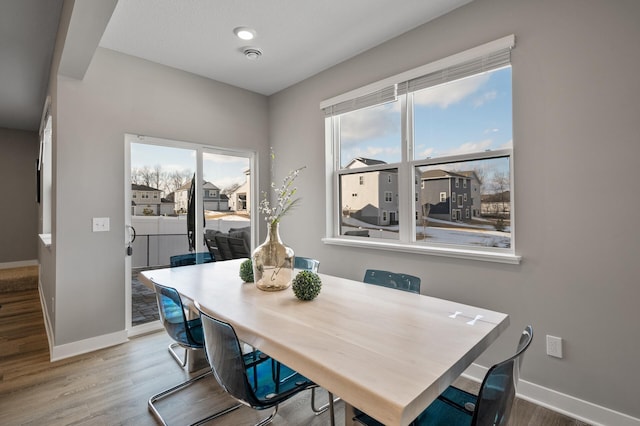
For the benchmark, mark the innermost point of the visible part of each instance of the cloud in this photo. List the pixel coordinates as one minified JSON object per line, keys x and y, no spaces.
{"x":486,"y":97}
{"x":427,"y":153}
{"x":508,"y":144}
{"x":373,"y":152}
{"x":470,"y":147}
{"x":369,"y":123}
{"x":450,"y":93}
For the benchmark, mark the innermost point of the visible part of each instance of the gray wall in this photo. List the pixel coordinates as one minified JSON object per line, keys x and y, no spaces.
{"x":19,"y":211}
{"x":576,"y":119}
{"x":121,"y":94}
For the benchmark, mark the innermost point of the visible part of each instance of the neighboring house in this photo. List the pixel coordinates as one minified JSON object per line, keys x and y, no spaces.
{"x":371,"y":196}
{"x":476,"y":184}
{"x":146,"y":201}
{"x":212,"y":198}
{"x":239,"y":198}
{"x":446,"y":195}
{"x":496,"y":204}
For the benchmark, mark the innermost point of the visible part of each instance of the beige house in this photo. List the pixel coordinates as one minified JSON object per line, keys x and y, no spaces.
{"x":371,"y":197}
{"x":240,"y":198}
{"x":148,"y":201}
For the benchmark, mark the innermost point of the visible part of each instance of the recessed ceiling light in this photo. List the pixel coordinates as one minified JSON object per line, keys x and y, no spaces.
{"x":244,"y":33}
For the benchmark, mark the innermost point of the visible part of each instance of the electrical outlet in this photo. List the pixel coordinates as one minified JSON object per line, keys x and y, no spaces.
{"x":554,"y":346}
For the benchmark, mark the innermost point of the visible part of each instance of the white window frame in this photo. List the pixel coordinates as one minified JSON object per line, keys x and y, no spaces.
{"x":377,"y":93}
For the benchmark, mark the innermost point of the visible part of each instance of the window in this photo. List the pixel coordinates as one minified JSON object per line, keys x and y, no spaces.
{"x":419,"y":134}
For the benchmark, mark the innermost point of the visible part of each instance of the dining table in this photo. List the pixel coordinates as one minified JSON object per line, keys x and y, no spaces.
{"x":386,"y":352}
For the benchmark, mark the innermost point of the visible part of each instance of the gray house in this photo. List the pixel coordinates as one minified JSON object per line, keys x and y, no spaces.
{"x":446,"y":195}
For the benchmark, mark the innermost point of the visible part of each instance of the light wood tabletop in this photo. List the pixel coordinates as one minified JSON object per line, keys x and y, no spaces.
{"x":389,"y":353}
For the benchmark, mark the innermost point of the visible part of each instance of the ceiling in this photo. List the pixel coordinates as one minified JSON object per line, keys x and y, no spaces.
{"x":297,"y":38}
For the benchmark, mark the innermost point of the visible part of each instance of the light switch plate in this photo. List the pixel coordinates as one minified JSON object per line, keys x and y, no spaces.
{"x":100,"y":224}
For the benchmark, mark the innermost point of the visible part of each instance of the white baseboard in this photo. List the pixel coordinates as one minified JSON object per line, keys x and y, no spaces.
{"x":149,"y":327}
{"x":88,"y":345}
{"x":56,"y":353}
{"x":568,"y":405}
{"x":18,"y":264}
{"x":47,"y":321}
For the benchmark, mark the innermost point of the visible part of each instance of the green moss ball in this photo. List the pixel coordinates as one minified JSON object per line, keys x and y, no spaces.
{"x":306,"y":285}
{"x":246,"y":271}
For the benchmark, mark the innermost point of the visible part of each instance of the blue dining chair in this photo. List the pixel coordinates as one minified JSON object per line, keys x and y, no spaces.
{"x":251,"y":383}
{"x":491,"y":407}
{"x":186,"y":334}
{"x":306,"y":263}
{"x":399,"y":281}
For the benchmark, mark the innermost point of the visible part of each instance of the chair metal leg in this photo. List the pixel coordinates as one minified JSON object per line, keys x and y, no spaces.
{"x":172,"y":347}
{"x":269,"y":419}
{"x":323,"y":408}
{"x":178,"y":387}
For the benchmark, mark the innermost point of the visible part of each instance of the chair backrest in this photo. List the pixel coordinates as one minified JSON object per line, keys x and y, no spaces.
{"x":174,"y":318}
{"x":498,"y":388}
{"x":392,"y":280}
{"x":222,"y":243}
{"x":211,"y":246}
{"x":239,"y":248}
{"x":190,"y":259}
{"x":306,"y":263}
{"x":231,"y":247}
{"x":225,"y":357}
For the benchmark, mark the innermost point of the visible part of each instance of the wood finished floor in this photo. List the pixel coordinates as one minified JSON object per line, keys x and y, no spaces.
{"x":112,"y":386}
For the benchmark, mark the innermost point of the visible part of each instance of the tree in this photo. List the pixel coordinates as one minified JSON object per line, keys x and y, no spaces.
{"x":500,"y":186}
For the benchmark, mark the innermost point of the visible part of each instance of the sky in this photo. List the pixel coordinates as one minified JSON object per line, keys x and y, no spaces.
{"x":468,"y":115}
{"x":221,"y":170}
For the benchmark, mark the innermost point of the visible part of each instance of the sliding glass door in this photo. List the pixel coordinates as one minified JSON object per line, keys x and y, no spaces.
{"x":175,"y":192}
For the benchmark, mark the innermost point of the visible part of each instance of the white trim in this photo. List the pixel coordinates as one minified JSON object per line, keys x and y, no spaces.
{"x":146,"y":328}
{"x":488,"y":256}
{"x":68,"y":350}
{"x":473,"y":53}
{"x":45,"y":239}
{"x":47,"y":321}
{"x":18,"y":264}
{"x":87,"y":345}
{"x":562,"y":403}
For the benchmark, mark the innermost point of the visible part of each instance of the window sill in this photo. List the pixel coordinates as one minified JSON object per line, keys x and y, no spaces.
{"x":458,"y":253}
{"x":45,"y":239}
